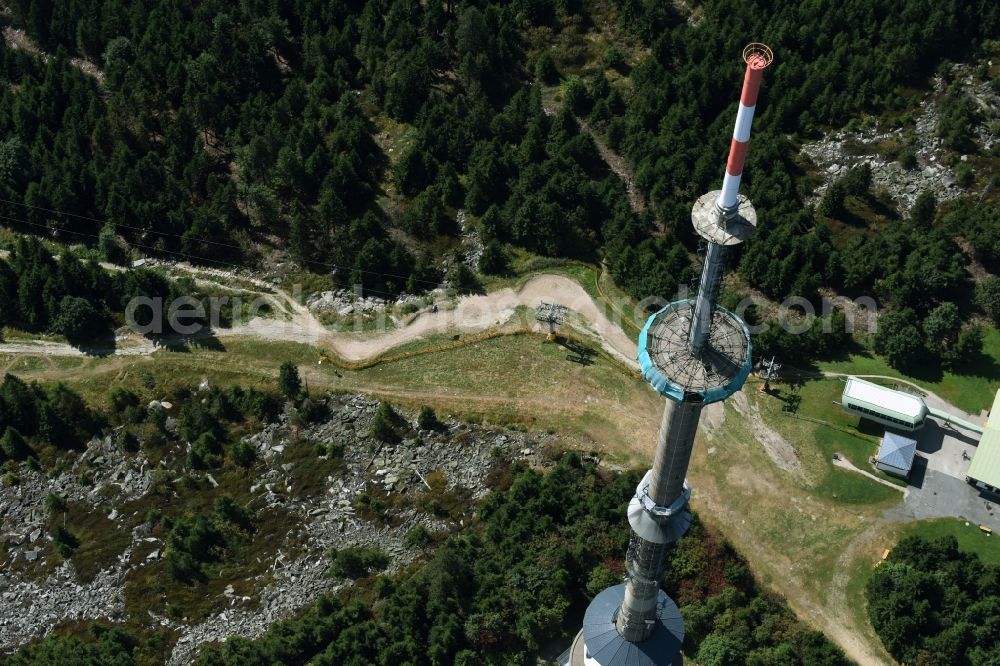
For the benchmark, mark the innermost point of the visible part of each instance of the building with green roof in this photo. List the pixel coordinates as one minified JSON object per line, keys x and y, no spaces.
{"x":984,"y":472}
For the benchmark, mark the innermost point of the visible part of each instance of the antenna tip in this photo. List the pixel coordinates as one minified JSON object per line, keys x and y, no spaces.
{"x":757,"y":55}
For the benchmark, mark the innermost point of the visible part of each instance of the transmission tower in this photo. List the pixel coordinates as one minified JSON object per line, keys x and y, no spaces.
{"x":694,"y":353}
{"x":553,"y":314}
{"x":768,"y":371}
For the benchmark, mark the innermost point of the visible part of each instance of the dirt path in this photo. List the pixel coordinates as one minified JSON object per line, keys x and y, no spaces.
{"x":471,"y":314}
{"x":619,"y":166}
{"x":43,"y":348}
{"x":857,"y":647}
{"x":829,"y":610}
{"x":973,"y":266}
{"x":842,"y":462}
{"x":778,"y":448}
{"x":16,"y":38}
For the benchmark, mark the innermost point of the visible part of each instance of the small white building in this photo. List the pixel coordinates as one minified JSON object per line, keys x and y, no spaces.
{"x":895,"y":455}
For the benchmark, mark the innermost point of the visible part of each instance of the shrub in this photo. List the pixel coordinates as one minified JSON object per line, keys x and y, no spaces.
{"x":384,"y":424}
{"x":416,"y":537}
{"x":55,"y":503}
{"x":613,"y":58}
{"x":243,"y":454}
{"x":908,"y":603}
{"x":384,"y":586}
{"x":577,"y":97}
{"x":13,"y":445}
{"x":600,"y":578}
{"x":65,"y":542}
{"x":191,"y":543}
{"x":357,"y":562}
{"x":988,"y":297}
{"x":493,"y":260}
{"x":121,"y":398}
{"x":79,"y":320}
{"x":908,"y":159}
{"x":463,"y":279}
{"x":205,"y":453}
{"x":545,"y":69}
{"x":428,"y":420}
{"x":898,"y":339}
{"x":230,"y":512}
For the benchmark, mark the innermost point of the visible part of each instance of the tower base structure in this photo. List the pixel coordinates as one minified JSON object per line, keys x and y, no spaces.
{"x":600,"y":644}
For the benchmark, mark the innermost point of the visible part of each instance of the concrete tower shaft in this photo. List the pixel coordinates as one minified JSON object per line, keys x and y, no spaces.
{"x":664,"y":499}
{"x":673,"y":451}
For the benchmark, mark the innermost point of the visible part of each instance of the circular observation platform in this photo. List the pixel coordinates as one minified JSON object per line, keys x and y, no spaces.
{"x":713,"y":374}
{"x":600,"y":644}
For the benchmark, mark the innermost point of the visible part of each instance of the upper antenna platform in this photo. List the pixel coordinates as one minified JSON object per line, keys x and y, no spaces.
{"x":757,"y":55}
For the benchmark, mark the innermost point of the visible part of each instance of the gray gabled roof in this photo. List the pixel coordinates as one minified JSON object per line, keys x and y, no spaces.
{"x":897,"y":451}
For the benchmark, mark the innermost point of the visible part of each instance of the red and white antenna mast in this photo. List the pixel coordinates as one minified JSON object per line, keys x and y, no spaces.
{"x":724,"y":217}
{"x":757,"y":57}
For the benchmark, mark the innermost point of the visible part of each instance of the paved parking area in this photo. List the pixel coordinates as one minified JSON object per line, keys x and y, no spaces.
{"x":946,"y":449}
{"x":934,"y":494}
{"x":937,"y":482}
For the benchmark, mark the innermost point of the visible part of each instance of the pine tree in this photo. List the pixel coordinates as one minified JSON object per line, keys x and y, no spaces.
{"x":289,"y":382}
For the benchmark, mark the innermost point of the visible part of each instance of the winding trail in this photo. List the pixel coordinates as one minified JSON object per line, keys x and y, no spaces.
{"x":620,"y":167}
{"x":470,"y":314}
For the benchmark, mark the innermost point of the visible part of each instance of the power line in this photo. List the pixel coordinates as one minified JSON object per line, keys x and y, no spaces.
{"x":172,"y":252}
{"x":204,"y":240}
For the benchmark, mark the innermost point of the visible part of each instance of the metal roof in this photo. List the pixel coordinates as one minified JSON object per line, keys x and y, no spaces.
{"x":607,"y":647}
{"x":994,"y":420}
{"x":985,"y":465}
{"x":676,"y":373}
{"x":897,"y":451}
{"x":884,"y":398}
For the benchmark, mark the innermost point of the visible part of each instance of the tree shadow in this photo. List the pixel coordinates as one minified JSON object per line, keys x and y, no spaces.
{"x":849,"y":218}
{"x":845,"y":352}
{"x":208,"y":341}
{"x":881,"y":208}
{"x":204,"y":339}
{"x":935,"y":433}
{"x":980,"y":365}
{"x":929,"y":371}
{"x":792,"y":399}
{"x":930,"y":439}
{"x":106,"y":347}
